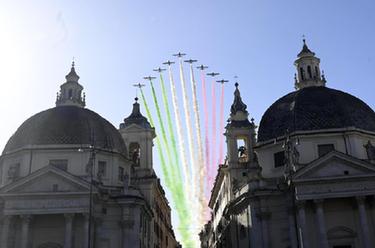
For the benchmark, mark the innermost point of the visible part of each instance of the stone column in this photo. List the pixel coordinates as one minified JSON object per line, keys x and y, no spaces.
{"x":323,"y":242}
{"x":365,"y":231}
{"x":25,"y":228}
{"x":5,"y":230}
{"x":264,"y":217}
{"x":292,"y":227}
{"x":302,"y":228}
{"x":255,"y":227}
{"x":68,"y":230}
{"x":129,"y":234}
{"x":86,"y":223}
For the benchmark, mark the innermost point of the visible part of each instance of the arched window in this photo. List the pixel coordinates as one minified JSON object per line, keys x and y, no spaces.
{"x":242,"y":150}
{"x":316,"y":72}
{"x":70,"y":93}
{"x":309,"y":71}
{"x":302,"y":73}
{"x":135,"y":153}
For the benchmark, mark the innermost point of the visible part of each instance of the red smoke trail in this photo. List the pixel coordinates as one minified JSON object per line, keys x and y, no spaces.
{"x":213,"y":161}
{"x":221,"y":127}
{"x":206,"y":139}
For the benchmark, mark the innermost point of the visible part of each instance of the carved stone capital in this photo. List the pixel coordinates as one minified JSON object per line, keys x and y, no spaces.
{"x":319,"y":202}
{"x":360,"y":199}
{"x":69,"y":216}
{"x":26,"y":218}
{"x":301,"y":204}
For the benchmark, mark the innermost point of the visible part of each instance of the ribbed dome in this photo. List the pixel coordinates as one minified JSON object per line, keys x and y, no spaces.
{"x":315,"y":108}
{"x":67,"y":125}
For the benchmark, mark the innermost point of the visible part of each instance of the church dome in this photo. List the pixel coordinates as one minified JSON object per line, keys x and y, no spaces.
{"x":315,"y":108}
{"x":67,"y":125}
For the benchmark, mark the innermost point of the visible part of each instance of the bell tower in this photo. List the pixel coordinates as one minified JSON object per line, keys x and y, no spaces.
{"x":242,"y":163}
{"x":240,"y":133}
{"x":138,"y":136}
{"x":308,"y":70}
{"x":71,"y":91}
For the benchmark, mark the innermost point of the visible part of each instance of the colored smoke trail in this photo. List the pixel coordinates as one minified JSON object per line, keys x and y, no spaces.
{"x":221,"y":127}
{"x":170,"y":128}
{"x":163,"y":133}
{"x":200,"y":165}
{"x":185,"y":100}
{"x":161,"y":155}
{"x":180,"y":136}
{"x":179,"y":200}
{"x":213,"y":161}
{"x":206,"y":131}
{"x":189,"y":126}
{"x":178,"y":190}
{"x":183,"y":215}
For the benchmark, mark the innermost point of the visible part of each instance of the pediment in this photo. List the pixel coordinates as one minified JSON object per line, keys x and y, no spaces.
{"x":46,"y":180}
{"x":335,"y":165}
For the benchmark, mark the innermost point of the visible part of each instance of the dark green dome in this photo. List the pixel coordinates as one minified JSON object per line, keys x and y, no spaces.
{"x":67,"y":125}
{"x":315,"y":108}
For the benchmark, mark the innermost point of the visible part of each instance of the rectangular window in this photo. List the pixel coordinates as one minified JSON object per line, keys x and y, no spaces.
{"x":62,"y":164}
{"x":279,"y":159}
{"x":324,"y":149}
{"x":55,"y":187}
{"x":102,"y":168}
{"x":14,"y":171}
{"x":120,"y":174}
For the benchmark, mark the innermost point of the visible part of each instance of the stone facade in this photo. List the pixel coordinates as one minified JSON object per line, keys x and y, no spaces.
{"x":80,"y":188}
{"x":306,"y":188}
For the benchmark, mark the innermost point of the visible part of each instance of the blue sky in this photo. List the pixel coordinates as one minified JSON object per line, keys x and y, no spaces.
{"x":117,"y":43}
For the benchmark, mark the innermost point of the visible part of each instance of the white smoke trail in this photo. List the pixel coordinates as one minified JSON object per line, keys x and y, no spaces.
{"x":180,"y":137}
{"x":200,"y":165}
{"x":189,"y":127}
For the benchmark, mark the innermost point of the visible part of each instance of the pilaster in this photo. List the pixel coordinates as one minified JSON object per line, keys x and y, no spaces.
{"x":323,"y":241}
{"x":25,"y":229}
{"x":68,"y":230}
{"x":365,"y":231}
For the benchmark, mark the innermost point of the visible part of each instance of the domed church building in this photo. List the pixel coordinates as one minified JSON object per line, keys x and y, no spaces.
{"x":305,"y":179}
{"x":69,"y":178}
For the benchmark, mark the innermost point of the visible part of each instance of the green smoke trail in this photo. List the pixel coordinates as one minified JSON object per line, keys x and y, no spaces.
{"x":162,"y":159}
{"x":178,"y":198}
{"x":163,"y":134}
{"x":170,"y":127}
{"x":178,"y":192}
{"x":176,"y":187}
